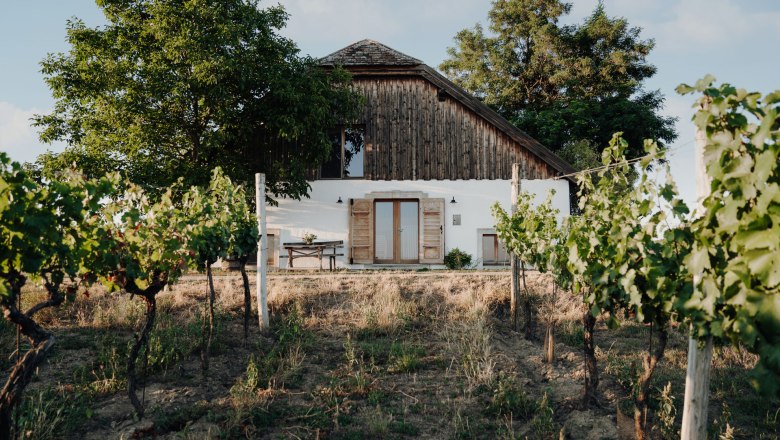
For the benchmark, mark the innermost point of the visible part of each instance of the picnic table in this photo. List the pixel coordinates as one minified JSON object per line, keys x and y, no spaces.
{"x":317,"y":249}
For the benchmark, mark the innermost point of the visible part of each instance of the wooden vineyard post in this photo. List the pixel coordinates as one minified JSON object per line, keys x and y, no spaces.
{"x":262,"y":251}
{"x":514,"y":301}
{"x":697,"y":376}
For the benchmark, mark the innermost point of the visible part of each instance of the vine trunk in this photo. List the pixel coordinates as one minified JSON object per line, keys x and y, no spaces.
{"x":643,"y":383}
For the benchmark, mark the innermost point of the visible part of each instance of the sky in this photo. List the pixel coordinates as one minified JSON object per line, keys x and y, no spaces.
{"x":735,"y":40}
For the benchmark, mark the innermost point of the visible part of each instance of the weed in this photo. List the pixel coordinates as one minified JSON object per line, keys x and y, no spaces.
{"x":623,"y":369}
{"x":571,"y":334}
{"x":178,"y":419}
{"x":468,"y":345}
{"x":405,"y":358}
{"x":666,"y":413}
{"x":461,"y":425}
{"x":282,"y":365}
{"x":172,"y":342}
{"x":510,"y":400}
{"x":107,"y":372}
{"x":378,"y":425}
{"x":51,"y":413}
{"x":360,"y":375}
{"x":721,"y":428}
{"x":543,"y":424}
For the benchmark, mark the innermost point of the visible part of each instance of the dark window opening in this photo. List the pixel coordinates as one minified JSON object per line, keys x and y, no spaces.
{"x":347,"y":153}
{"x":332,"y":168}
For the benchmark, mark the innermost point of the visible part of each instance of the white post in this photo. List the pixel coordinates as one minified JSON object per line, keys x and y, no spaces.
{"x":514,"y":292}
{"x":697,"y":376}
{"x":262,"y":252}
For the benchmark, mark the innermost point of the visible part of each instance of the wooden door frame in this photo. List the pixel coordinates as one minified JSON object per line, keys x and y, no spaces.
{"x":396,"y":235}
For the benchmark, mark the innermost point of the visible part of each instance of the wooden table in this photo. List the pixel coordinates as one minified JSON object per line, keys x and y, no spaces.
{"x":317,"y":249}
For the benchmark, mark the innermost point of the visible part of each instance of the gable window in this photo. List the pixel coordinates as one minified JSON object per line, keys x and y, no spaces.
{"x":346,"y":154}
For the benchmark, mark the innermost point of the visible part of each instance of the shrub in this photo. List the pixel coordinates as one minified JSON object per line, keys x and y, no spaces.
{"x":457,"y":259}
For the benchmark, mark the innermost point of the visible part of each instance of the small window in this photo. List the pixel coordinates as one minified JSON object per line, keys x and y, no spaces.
{"x":273,"y":251}
{"x":493,"y":251}
{"x":347,"y":152}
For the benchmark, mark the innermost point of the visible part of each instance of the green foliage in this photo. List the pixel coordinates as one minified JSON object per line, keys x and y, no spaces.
{"x":561,"y":83}
{"x":534,"y":235}
{"x":172,"y":342}
{"x":509,"y":399}
{"x":623,"y":252}
{"x":581,"y":154}
{"x":51,"y":413}
{"x":405,"y":357}
{"x":667,"y":413}
{"x":543,"y":424}
{"x":44,"y":227}
{"x":457,"y":259}
{"x":171,"y":88}
{"x":143,"y":243}
{"x":737,"y":236}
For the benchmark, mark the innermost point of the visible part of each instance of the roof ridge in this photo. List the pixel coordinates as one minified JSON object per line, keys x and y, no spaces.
{"x":367,"y":52}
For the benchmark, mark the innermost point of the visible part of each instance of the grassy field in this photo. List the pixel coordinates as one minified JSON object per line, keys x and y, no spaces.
{"x":381,"y":355}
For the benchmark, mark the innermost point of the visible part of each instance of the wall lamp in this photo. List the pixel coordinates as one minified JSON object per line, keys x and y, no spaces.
{"x":339,"y":200}
{"x":453,"y":200}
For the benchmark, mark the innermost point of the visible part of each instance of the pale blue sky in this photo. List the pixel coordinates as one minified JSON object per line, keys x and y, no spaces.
{"x":735,"y":40}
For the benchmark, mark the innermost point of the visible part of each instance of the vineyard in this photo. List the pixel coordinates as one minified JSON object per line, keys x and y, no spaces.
{"x":85,"y":265}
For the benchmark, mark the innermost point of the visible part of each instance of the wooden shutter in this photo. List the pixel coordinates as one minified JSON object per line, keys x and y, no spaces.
{"x":432,"y":231}
{"x":361,"y":231}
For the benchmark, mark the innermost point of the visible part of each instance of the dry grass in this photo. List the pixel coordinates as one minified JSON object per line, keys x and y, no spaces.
{"x":388,"y":355}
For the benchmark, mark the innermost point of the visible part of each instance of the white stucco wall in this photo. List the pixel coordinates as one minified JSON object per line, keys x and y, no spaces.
{"x":323,"y":216}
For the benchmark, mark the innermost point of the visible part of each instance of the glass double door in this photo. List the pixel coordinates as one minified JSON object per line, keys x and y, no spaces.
{"x":396,"y":231}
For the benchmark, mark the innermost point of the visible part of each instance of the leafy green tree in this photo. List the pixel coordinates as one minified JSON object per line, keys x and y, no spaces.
{"x":525,"y":234}
{"x":628,"y":257}
{"x":534,"y":235}
{"x":562,"y":83}
{"x":736,"y":246}
{"x":174,"y":88}
{"x":144,"y":247}
{"x":208,"y":242}
{"x":41,"y":239}
{"x":243,"y":236}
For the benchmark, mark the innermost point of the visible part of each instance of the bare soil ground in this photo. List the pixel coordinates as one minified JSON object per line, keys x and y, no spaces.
{"x":369,"y":355}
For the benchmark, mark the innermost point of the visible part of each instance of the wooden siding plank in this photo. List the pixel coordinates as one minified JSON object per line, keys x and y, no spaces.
{"x":411,"y":135}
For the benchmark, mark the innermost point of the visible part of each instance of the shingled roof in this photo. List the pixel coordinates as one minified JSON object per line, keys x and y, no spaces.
{"x":368,"y":53}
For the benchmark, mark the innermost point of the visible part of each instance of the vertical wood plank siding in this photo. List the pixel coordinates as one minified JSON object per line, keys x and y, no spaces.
{"x":411,"y":135}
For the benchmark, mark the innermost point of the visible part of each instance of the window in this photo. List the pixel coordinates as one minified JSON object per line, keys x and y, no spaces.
{"x":346,"y":154}
{"x":493,"y":251}
{"x":273,"y":250}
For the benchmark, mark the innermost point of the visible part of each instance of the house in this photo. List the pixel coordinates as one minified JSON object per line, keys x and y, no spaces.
{"x":417,"y":176}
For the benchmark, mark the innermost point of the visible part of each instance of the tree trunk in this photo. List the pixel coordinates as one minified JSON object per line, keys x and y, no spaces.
{"x":206,"y":353}
{"x":643,"y":383}
{"x":514,"y":294}
{"x":41,"y":342}
{"x":247,"y":297}
{"x":528,"y":324}
{"x":591,"y":368}
{"x":140,"y":342}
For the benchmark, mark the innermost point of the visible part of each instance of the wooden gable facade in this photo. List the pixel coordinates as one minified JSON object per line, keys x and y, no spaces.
{"x":418,"y":125}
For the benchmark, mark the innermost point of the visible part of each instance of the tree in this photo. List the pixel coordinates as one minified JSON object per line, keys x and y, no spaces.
{"x":144,"y":246}
{"x":627,"y":256}
{"x":174,"y":88}
{"x":562,"y":83}
{"x":42,"y":239}
{"x":534,"y":235}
